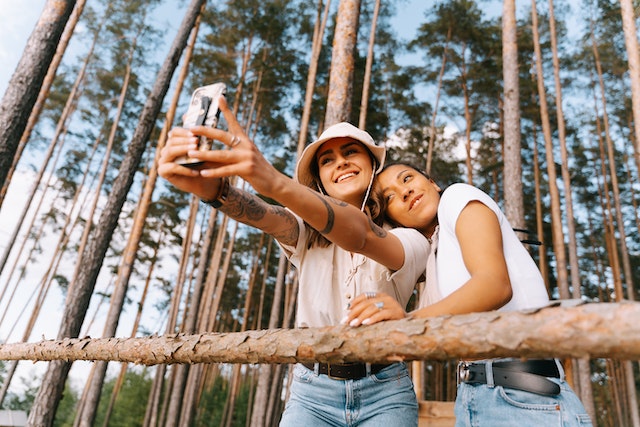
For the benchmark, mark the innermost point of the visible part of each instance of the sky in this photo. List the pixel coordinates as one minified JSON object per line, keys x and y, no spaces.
{"x":18,"y":18}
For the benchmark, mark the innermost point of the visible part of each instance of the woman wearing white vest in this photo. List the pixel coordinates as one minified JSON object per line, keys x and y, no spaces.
{"x":477,"y":264}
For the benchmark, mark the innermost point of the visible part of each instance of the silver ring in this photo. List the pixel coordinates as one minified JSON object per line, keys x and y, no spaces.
{"x":370,"y":295}
{"x":234,"y":141}
{"x":379,"y":304}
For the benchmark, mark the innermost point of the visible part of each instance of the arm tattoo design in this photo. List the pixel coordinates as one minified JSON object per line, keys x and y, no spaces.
{"x":331,"y":215}
{"x":251,"y":210}
{"x":243,"y":207}
{"x":378,"y":231}
{"x":289,"y":234}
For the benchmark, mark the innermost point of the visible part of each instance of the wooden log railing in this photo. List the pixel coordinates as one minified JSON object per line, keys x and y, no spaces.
{"x":607,"y":330}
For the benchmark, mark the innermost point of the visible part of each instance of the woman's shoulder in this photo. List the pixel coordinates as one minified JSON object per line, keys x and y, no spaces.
{"x":458,"y":195}
{"x":460,"y":189}
{"x":461,"y":193}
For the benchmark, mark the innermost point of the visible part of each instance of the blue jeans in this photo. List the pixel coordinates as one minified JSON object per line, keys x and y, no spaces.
{"x":386,"y":398}
{"x":479,"y":405}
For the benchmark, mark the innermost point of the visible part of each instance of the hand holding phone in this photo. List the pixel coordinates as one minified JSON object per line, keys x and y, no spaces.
{"x":203,"y":111}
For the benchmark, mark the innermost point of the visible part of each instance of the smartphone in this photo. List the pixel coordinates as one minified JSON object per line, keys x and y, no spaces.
{"x":203,"y":111}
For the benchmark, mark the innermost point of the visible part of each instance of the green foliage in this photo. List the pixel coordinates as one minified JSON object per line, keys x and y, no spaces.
{"x":22,"y":400}
{"x":215,"y":398}
{"x":130,"y":404}
{"x":65,"y":414}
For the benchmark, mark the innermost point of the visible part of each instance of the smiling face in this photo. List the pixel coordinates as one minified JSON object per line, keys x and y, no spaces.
{"x":345,"y":168}
{"x":411,"y":198}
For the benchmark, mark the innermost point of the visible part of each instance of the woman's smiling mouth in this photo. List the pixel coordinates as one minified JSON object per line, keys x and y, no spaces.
{"x":416,"y":200}
{"x":345,"y":176}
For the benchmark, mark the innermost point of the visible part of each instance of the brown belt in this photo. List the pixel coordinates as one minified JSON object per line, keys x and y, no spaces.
{"x":346,"y":371}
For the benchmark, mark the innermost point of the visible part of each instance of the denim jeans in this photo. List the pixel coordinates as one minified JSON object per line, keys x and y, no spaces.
{"x":479,"y":405}
{"x":386,"y":398}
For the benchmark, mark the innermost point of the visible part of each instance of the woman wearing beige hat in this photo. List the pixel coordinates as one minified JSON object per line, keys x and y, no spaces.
{"x":327,"y":234}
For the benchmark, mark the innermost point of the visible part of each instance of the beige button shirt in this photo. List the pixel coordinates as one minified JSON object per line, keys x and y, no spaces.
{"x":331,"y":277}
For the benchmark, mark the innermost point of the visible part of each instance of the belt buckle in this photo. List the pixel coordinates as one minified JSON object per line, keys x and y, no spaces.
{"x":329,"y":373}
{"x":464,"y":374}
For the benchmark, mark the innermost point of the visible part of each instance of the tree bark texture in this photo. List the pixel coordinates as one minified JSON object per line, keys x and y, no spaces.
{"x":557,"y":233}
{"x":342,"y":63}
{"x":607,"y":330}
{"x":24,"y":86}
{"x":514,"y":207}
{"x":633,"y":58}
{"x":364,"y":102}
{"x":44,"y":92}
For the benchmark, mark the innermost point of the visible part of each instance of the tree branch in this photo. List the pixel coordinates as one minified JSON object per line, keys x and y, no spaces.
{"x":608,"y":330}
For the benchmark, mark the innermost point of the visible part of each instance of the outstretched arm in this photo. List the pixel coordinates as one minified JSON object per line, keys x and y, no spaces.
{"x":340,"y":222}
{"x":239,"y":205}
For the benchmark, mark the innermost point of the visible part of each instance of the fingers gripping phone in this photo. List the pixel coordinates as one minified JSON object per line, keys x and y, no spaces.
{"x":203,"y":111}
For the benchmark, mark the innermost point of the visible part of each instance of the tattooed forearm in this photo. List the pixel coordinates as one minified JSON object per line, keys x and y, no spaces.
{"x":288,"y":232}
{"x":243,"y":206}
{"x":251,"y":210}
{"x":331,"y":215}
{"x":287,"y":237}
{"x":379,"y":231}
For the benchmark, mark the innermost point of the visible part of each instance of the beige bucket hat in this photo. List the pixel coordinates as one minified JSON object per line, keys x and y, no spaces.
{"x":303,"y":172}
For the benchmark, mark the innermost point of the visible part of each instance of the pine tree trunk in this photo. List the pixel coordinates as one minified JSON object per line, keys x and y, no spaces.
{"x":583,"y":371}
{"x":342,"y":63}
{"x":217,"y":275}
{"x":609,"y":233}
{"x":260,"y":406}
{"x":235,"y":382}
{"x":622,"y":240}
{"x":432,"y":126}
{"x":47,"y":278}
{"x":60,"y":130}
{"x":633,"y":57}
{"x":50,"y":393}
{"x":90,"y":408}
{"x":24,"y":86}
{"x":467,"y":131}
{"x":182,"y":370}
{"x":43,"y":93}
{"x":542,"y":250}
{"x":134,"y":331}
{"x":556,"y":215}
{"x":513,"y":204}
{"x":364,"y":102}
{"x":566,"y":175}
{"x":318,"y":35}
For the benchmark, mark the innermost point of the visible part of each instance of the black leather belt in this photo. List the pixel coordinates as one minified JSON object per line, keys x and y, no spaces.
{"x":530,"y":375}
{"x":346,"y":371}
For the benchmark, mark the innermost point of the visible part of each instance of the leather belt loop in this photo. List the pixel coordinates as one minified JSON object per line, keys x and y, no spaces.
{"x":488,"y":369}
{"x":368,"y":368}
{"x":316,"y":368}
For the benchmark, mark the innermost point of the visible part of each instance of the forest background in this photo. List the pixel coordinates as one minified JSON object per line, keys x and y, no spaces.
{"x":402,"y":102}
